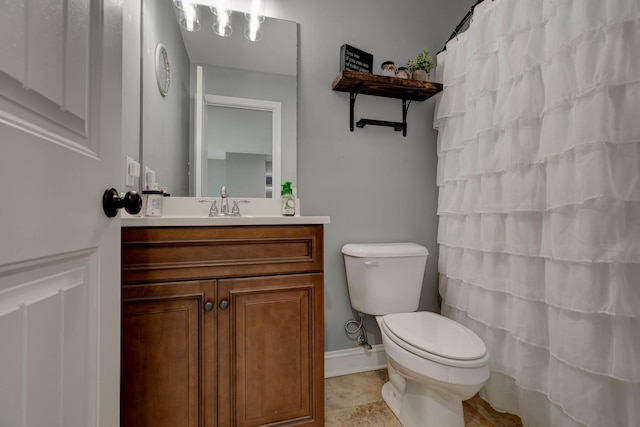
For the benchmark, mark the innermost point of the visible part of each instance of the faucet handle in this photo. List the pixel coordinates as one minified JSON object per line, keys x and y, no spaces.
{"x":213,"y":211}
{"x":236,"y":209}
{"x":223,"y":191}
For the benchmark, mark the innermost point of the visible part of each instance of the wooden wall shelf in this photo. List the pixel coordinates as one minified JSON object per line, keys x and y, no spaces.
{"x":389,"y":87}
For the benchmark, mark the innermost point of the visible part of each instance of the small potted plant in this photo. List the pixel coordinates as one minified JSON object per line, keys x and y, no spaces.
{"x":420,"y":66}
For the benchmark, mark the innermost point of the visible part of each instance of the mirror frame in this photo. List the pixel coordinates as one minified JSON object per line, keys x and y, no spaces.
{"x":248,"y":104}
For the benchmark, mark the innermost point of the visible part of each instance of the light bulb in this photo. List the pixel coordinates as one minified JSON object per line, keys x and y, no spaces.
{"x":189,"y":18}
{"x":257,"y":10}
{"x":222,"y":21}
{"x":252,"y":29}
{"x":179,"y":4}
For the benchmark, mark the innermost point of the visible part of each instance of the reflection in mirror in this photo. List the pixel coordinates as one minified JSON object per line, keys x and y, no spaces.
{"x":246,"y":159}
{"x":234,"y":67}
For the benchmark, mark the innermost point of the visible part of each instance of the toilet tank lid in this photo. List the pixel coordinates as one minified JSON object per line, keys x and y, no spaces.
{"x":384,"y":250}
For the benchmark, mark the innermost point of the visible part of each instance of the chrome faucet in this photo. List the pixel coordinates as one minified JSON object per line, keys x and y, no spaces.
{"x":224,"y":205}
{"x":235,"y":210}
{"x":224,"y":201}
{"x":213,"y":210}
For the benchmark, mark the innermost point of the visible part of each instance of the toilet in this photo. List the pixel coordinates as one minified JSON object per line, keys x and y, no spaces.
{"x":434,"y":362}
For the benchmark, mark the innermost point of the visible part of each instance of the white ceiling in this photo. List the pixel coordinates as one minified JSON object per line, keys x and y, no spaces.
{"x":275,"y":53}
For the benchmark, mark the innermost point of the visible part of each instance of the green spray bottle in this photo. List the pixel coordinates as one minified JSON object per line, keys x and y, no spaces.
{"x":288,"y":201}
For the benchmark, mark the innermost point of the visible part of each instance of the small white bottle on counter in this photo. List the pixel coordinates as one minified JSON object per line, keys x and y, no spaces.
{"x":152,"y":202}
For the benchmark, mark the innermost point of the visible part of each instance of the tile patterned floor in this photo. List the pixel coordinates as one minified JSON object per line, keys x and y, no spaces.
{"x":355,"y":401}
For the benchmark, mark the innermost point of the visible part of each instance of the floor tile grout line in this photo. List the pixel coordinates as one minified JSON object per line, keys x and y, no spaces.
{"x":352,"y":412}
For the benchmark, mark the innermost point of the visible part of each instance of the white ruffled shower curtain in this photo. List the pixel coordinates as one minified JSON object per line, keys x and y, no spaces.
{"x":539,"y":204}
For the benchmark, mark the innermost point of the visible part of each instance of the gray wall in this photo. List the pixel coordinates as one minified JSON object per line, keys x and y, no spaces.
{"x":374,"y":184}
{"x":165,"y":120}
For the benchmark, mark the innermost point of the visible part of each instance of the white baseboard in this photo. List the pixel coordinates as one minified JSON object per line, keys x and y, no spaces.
{"x":350,"y":361}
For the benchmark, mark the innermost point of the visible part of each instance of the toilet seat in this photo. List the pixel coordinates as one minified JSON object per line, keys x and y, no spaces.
{"x":435,"y":337}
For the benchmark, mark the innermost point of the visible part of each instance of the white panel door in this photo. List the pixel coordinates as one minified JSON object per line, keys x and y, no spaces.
{"x":60,"y":139}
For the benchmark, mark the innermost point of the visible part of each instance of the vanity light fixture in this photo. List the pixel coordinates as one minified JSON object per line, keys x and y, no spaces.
{"x":252,"y":28}
{"x":254,"y":17}
{"x":222,"y":18}
{"x":189,"y":15}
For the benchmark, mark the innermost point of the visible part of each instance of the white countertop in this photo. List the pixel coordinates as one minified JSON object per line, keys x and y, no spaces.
{"x":194,"y":212}
{"x":189,"y":221}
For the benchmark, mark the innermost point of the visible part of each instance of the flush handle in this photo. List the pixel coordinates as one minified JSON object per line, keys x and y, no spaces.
{"x":372,"y":263}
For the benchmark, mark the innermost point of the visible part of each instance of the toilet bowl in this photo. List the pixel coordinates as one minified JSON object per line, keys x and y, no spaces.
{"x":429,"y":377}
{"x":434,"y":362}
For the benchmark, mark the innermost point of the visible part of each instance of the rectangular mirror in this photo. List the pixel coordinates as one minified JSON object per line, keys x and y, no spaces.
{"x":211,"y":124}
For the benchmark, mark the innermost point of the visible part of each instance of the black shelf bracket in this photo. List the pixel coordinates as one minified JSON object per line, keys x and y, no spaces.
{"x":397,"y":126}
{"x":356,"y":83}
{"x":352,"y":103}
{"x":405,"y":108}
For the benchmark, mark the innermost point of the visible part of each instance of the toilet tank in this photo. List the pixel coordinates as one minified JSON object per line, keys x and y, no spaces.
{"x":384,"y":278}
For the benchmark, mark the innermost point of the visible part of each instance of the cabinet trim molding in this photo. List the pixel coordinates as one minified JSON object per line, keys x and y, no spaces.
{"x":150,"y":254}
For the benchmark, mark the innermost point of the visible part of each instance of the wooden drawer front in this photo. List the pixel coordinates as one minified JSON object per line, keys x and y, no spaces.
{"x":155,"y":254}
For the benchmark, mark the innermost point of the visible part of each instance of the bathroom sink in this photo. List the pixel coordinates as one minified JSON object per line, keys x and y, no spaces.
{"x":194,"y":211}
{"x":205,"y":221}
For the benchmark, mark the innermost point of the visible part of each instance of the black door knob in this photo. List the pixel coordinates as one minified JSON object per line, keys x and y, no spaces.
{"x":112,"y":202}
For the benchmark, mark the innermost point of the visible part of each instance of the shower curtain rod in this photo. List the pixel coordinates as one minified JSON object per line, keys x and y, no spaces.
{"x":461,"y":24}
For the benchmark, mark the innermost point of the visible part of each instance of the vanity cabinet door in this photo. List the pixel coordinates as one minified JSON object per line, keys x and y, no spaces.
{"x":270,"y":351}
{"x":168,"y":355}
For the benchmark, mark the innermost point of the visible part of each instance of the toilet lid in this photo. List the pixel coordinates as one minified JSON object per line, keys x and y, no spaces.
{"x":436,"y":334}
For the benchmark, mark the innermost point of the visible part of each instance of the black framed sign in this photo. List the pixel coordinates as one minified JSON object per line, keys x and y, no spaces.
{"x":354,"y":59}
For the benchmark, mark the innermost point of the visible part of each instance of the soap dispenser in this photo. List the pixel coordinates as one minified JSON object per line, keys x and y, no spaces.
{"x":288,"y":201}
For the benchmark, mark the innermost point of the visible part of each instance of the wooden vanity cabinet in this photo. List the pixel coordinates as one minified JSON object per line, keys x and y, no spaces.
{"x":222,"y":326}
{"x":168,"y":346}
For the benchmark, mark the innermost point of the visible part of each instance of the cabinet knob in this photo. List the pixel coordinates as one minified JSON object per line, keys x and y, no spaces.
{"x":208,"y":306}
{"x":224,"y":304}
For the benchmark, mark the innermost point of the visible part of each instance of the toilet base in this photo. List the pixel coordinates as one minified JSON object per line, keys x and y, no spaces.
{"x":420,"y":406}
